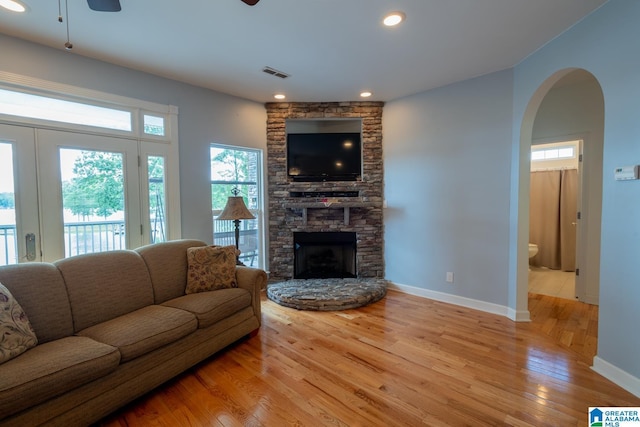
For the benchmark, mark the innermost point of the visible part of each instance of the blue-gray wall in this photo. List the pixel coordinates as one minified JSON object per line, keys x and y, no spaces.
{"x":205,"y":116}
{"x":447,"y":160}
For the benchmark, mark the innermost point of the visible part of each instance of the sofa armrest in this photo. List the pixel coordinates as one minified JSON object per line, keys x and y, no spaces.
{"x":253,"y":280}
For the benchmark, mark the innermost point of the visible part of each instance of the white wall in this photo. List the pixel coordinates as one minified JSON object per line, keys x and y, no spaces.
{"x":447,"y":169}
{"x":605,"y":44}
{"x":205,"y":116}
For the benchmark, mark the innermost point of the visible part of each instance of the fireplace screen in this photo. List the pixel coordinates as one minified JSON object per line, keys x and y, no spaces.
{"x":324,"y":255}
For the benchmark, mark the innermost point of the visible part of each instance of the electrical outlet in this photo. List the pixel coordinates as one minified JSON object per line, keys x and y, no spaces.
{"x":449,"y":277}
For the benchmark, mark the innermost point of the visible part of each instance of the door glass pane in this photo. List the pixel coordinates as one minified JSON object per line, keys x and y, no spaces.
{"x":8,"y":244}
{"x":93,"y":201}
{"x":157,"y":199}
{"x":236,"y":169}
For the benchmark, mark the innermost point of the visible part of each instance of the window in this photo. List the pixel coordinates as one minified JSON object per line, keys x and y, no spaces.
{"x":8,"y":247}
{"x":234,"y":168}
{"x":58,"y":110}
{"x":93,"y":200}
{"x":556,"y":153}
{"x":93,"y":191}
{"x":155,"y":173}
{"x":153,"y":125}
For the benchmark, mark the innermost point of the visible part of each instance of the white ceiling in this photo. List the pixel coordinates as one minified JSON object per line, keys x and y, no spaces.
{"x":332,"y":49}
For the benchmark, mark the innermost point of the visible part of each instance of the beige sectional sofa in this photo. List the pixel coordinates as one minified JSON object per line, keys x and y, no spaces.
{"x":112,"y":326}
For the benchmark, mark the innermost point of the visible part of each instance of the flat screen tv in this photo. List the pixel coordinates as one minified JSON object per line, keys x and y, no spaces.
{"x":324,"y":156}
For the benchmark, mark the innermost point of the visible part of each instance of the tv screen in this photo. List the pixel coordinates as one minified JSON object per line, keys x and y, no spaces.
{"x":324,"y":156}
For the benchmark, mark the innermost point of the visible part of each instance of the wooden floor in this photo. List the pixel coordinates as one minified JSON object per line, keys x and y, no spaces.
{"x":403,"y":361}
{"x":570,"y":323}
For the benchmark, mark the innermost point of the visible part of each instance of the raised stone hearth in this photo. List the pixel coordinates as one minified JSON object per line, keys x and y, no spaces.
{"x":327,"y":294}
{"x":361,"y":214}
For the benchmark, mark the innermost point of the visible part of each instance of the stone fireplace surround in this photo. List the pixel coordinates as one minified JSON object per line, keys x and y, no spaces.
{"x":361,"y":214}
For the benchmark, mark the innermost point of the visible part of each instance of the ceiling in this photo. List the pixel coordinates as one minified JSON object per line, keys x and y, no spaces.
{"x":332,"y":49}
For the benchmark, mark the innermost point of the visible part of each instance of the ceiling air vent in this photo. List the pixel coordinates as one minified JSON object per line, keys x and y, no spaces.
{"x":275,"y":72}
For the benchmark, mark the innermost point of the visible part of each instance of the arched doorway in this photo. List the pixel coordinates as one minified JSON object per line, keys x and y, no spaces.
{"x":568,"y":105}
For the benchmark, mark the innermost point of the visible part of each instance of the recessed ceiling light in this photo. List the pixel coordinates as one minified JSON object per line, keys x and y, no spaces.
{"x":13,"y":5}
{"x":279,"y":96}
{"x":365,"y":94}
{"x":393,"y":18}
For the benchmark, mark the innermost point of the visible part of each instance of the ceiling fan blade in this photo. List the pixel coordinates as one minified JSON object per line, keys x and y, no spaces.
{"x":105,"y":5}
{"x":251,"y":2}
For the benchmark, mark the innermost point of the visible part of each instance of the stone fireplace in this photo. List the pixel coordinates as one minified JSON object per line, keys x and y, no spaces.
{"x":354,"y":208}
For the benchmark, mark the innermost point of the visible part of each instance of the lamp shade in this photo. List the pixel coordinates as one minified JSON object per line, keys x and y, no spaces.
{"x":235,"y":209}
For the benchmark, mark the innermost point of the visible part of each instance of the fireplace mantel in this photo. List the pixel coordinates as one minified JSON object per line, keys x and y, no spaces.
{"x":345,"y":206}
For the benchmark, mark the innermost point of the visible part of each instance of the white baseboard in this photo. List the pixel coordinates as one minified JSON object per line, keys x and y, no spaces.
{"x":617,"y":375}
{"x":518,"y":316}
{"x":592,"y":299}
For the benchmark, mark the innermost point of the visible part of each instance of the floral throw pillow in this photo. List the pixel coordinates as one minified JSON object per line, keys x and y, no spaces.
{"x":211,"y":268}
{"x":16,"y":333}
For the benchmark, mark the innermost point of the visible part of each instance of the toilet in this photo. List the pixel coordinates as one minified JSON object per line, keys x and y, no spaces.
{"x":533,"y":250}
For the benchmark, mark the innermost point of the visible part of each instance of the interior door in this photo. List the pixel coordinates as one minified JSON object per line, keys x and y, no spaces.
{"x":89,"y":193}
{"x":19,"y":219}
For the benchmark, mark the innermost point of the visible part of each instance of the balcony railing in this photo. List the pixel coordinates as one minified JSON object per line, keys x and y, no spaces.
{"x":99,"y":236}
{"x":95,"y":236}
{"x":8,"y":244}
{"x":224,"y":235}
{"x":79,"y":238}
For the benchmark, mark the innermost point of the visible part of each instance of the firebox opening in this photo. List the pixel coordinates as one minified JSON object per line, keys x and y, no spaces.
{"x":326,"y":255}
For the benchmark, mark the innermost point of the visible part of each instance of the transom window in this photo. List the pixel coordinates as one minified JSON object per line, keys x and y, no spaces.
{"x":555,"y":153}
{"x":58,"y":110}
{"x":153,"y":125}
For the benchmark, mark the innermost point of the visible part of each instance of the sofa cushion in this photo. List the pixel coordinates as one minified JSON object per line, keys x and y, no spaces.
{"x":53,"y":368}
{"x":213,"y":306}
{"x":16,"y":333}
{"x":143,"y":330}
{"x":211,"y":268}
{"x":105,"y":285}
{"x":167,"y":264}
{"x":39,"y":288}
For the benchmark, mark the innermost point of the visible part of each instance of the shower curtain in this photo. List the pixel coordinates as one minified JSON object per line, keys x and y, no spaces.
{"x":552,"y":218}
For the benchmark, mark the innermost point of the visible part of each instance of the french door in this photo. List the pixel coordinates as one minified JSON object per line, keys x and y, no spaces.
{"x":19,"y":217}
{"x":76,"y":193}
{"x":89,"y":193}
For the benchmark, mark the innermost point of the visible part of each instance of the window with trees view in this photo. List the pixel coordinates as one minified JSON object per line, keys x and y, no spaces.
{"x":92,"y":192}
{"x":157,"y":208}
{"x":237,"y":168}
{"x":102,"y":169}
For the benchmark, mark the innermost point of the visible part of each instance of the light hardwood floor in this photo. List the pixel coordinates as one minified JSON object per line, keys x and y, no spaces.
{"x":404,"y":360}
